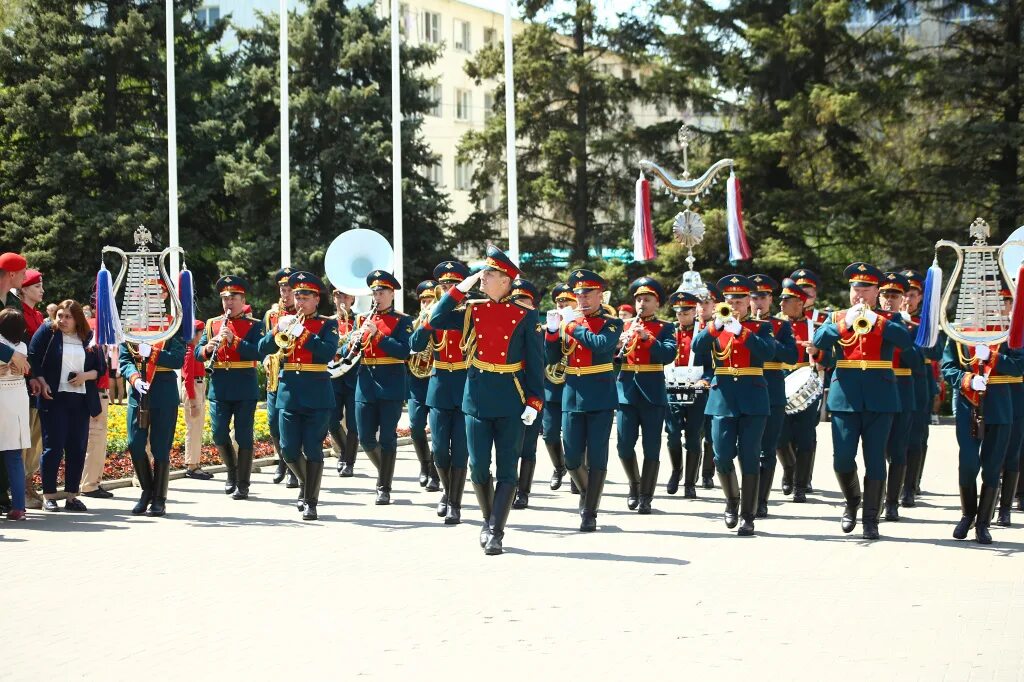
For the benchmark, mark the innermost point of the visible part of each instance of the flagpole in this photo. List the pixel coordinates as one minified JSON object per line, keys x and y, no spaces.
{"x":510,"y":141}
{"x":172,"y":143}
{"x":286,"y":204}
{"x":396,"y":148}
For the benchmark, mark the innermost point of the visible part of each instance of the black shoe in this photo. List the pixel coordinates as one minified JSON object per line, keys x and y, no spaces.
{"x":573,"y":488}
{"x":1007,"y":491}
{"x":292,"y":481}
{"x":893,"y":484}
{"x":849,"y":485}
{"x":281,"y":472}
{"x":385,"y":474}
{"x":525,"y":484}
{"x":240,"y":493}
{"x":986,"y":506}
{"x":872,"y":503}
{"x":243,"y":475}
{"x":442,"y":506}
{"x":750,"y":491}
{"x":458,"y":484}
{"x":799,"y":495}
{"x":968,"y":510}
{"x":629,"y":466}
{"x":99,"y":494}
{"x":522,"y":500}
{"x":675,"y":456}
{"x":787,"y":481}
{"x":227,"y":456}
{"x":73,"y":504}
{"x":499,"y":517}
{"x":433,"y":481}
{"x":346,"y":470}
{"x":731,"y":490}
{"x":161,"y":476}
{"x":892,"y":512}
{"x":707,"y":483}
{"x":309,"y":512}
{"x":198,"y":474}
{"x":314,"y":475}
{"x":422,"y":449}
{"x":445,"y":478}
{"x":50,"y":505}
{"x":144,"y":472}
{"x":484,"y":498}
{"x":690,"y":491}
{"x":648,"y":482}
{"x":672,"y":487}
{"x":1020,"y":503}
{"x":592,"y":500}
{"x":764,"y":489}
{"x":557,"y":461}
{"x":556,"y":479}
{"x":1003,"y":518}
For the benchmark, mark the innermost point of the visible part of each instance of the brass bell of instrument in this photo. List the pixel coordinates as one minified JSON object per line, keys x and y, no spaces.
{"x":723,"y":310}
{"x":555,"y":373}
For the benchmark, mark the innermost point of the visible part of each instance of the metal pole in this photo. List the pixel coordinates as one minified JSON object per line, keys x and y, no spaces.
{"x":396,"y":146}
{"x":510,"y":141}
{"x":172,"y":142}
{"x":286,"y":202}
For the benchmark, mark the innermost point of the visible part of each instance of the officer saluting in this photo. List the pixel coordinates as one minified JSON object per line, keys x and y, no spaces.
{"x":503,"y":387}
{"x":584,"y":339}
{"x":648,"y":344}
{"x":739,"y":404}
{"x":304,"y":399}
{"x":230,"y":343}
{"x":863,"y":395}
{"x":381,"y":386}
{"x":685,"y":424}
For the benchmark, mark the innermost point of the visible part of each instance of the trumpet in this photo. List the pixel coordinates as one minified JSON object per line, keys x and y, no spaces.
{"x":723,"y":311}
{"x":861,"y":324}
{"x":284,"y":339}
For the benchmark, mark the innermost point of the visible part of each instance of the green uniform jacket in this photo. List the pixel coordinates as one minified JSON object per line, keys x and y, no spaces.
{"x":735,"y":396}
{"x":997,"y":403}
{"x":306,"y":390}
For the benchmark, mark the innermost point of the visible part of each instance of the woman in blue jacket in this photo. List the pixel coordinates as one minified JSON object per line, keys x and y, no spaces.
{"x":66,"y":367}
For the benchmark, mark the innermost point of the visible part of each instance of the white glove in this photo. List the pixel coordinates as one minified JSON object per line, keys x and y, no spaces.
{"x":852,"y":314}
{"x":719,"y":323}
{"x":733,"y":326}
{"x":982,"y":352}
{"x":296,"y":330}
{"x":554,"y":318}
{"x":979,"y":383}
{"x":529,"y":414}
{"x":284,"y":322}
{"x":145,"y":350}
{"x":465,"y":285}
{"x":871,"y":315}
{"x":570,"y":314}
{"x":142,"y":387}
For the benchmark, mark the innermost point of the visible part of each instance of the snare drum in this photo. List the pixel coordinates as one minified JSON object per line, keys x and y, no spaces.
{"x":803,"y":387}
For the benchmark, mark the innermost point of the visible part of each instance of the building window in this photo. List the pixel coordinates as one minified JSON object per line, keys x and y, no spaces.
{"x":490,"y":36}
{"x":430,"y":27}
{"x":208,"y":16}
{"x":463,"y":102}
{"x":434,"y":93}
{"x":461,"y":34}
{"x":491,"y":199}
{"x":463,"y":175}
{"x":435,"y":174}
{"x":488,"y":106}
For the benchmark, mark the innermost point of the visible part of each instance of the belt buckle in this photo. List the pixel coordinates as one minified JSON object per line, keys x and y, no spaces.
{"x":863,"y":364}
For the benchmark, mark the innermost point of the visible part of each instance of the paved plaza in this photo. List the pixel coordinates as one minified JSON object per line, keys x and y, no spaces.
{"x":231,"y":590}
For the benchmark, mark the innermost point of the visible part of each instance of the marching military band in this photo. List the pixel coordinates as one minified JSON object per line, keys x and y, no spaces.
{"x":727,"y":379}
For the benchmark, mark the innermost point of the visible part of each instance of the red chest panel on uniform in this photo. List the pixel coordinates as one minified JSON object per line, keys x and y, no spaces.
{"x":582,"y":357}
{"x":386,"y":324}
{"x":344,"y":325}
{"x":447,"y":344}
{"x":642,"y":356}
{"x":494,"y":324}
{"x":864,"y":346}
{"x":300,"y":354}
{"x":239,"y":327}
{"x":684,"y":339}
{"x":977,"y":366}
{"x":739,"y":354}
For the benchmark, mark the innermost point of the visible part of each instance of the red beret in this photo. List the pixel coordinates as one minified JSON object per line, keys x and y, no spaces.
{"x":200,"y":325}
{"x":628,"y":308}
{"x":32,"y":277}
{"x":12,"y":262}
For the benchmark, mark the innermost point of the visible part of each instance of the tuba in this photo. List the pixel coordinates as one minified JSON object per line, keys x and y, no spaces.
{"x":355,"y":254}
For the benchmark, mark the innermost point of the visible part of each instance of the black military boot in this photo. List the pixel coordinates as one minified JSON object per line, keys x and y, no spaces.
{"x":802,"y":475}
{"x":442,"y":506}
{"x":850,"y":487}
{"x":298,"y":471}
{"x":592,"y":500}
{"x":707,"y":471}
{"x":910,"y":478}
{"x":314,"y":474}
{"x":787,"y":458}
{"x":485,"y":498}
{"x":690,"y":475}
{"x":351,"y":448}
{"x":872,"y":506}
{"x":731,"y":490}
{"x":433,"y":478}
{"x":574,"y":484}
{"x":385,"y":475}
{"x":810,"y":472}
{"x":1020,"y":493}
{"x":161,"y":476}
{"x":503,"y":496}
{"x":1006,"y":497}
{"x":282,"y":468}
{"x":629,"y":465}
{"x":986,"y":507}
{"x":968,"y":510}
{"x":526,"y":469}
{"x":675,"y":456}
{"x":749,"y":491}
{"x":422,"y":448}
{"x":373,"y":454}
{"x":764,"y":485}
{"x":244,"y":474}
{"x":920,"y":471}
{"x":578,"y":477}
{"x":144,"y":472}
{"x":557,"y":461}
{"x":227,"y":456}
{"x":897,"y":473}
{"x":458,"y":484}
{"x":648,"y":482}
{"x":338,"y":435}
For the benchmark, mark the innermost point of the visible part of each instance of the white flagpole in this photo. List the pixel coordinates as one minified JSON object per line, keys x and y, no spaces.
{"x":286,"y":203}
{"x":510,"y":141}
{"x":396,"y":146}
{"x":172,"y":142}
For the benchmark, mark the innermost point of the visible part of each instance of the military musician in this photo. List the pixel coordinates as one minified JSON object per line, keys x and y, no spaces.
{"x":562,"y":297}
{"x":419,"y":379}
{"x":342,"y":427}
{"x":526,"y":294}
{"x":272,"y":364}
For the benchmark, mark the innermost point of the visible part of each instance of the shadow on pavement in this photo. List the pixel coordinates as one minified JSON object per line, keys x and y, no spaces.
{"x":601,"y":556}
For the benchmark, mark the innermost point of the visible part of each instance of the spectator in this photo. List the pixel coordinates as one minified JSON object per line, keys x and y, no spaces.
{"x":87,"y":311}
{"x":15,"y":434}
{"x":192,"y":392}
{"x":51,"y":312}
{"x":66,"y":368}
{"x":626,"y":312}
{"x":31,"y":295}
{"x":12,"y":274}
{"x":96,"y":451}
